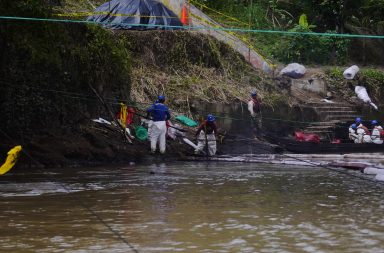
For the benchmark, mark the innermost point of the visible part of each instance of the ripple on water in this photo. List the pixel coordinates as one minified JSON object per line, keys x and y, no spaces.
{"x":30,"y":189}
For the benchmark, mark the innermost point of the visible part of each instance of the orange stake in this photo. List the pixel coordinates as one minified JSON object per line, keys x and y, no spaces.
{"x":184,"y":15}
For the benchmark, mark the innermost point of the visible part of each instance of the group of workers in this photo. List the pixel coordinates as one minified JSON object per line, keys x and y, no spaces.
{"x":159,"y":114}
{"x":359,"y":133}
{"x":206,"y":133}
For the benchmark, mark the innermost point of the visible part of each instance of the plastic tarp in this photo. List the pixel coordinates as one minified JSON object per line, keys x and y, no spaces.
{"x":362,"y":94}
{"x":302,"y":137}
{"x":186,"y":121}
{"x":293,"y":70}
{"x":129,"y":14}
{"x":141,"y":133}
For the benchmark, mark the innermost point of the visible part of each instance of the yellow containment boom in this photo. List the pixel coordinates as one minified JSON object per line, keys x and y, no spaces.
{"x":11,"y":160}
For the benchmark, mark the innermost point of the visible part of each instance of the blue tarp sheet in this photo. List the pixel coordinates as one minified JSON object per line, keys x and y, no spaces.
{"x":129,"y":14}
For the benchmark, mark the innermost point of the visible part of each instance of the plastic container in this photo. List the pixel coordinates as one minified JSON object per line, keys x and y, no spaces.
{"x":141,"y":133}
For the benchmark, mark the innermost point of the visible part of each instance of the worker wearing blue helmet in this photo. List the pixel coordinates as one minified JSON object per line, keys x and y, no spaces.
{"x":364,"y":135}
{"x":254,"y":108}
{"x":206,"y":136}
{"x":159,"y":114}
{"x":377,"y":132}
{"x":352,"y":133}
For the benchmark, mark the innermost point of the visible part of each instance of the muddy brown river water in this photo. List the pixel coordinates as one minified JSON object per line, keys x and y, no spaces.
{"x":190,"y":207}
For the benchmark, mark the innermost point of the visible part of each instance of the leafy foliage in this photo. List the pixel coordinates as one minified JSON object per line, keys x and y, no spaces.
{"x":309,"y":48}
{"x":335,"y":16}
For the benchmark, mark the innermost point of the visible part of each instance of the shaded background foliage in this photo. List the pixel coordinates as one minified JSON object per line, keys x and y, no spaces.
{"x":339,"y":16}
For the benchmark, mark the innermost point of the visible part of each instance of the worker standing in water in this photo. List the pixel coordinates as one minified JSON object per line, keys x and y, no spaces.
{"x":254,"y":108}
{"x":159,"y":113}
{"x":352,"y":133}
{"x":206,"y":135}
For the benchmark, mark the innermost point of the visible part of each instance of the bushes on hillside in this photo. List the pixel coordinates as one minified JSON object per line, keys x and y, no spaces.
{"x":311,"y":48}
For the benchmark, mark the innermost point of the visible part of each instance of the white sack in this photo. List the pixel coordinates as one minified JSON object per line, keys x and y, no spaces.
{"x":173,"y":132}
{"x":294,"y":70}
{"x":379,"y":177}
{"x":350,"y":72}
{"x":190,"y":143}
{"x":362,"y":94}
{"x":373,"y":171}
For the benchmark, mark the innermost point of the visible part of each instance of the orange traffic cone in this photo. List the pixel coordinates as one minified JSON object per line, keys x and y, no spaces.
{"x":184,"y":15}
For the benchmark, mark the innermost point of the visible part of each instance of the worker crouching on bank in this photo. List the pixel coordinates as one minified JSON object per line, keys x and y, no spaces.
{"x":377,"y":132}
{"x":206,"y":136}
{"x":159,"y":113}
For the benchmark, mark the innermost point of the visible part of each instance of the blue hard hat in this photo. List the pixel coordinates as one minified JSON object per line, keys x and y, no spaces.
{"x":253,"y":93}
{"x":374,"y":122}
{"x":161,"y":97}
{"x":358,"y":120}
{"x":353,"y":126}
{"x":210,"y":118}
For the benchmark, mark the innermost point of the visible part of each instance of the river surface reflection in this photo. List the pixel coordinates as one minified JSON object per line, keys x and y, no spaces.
{"x":190,"y":207}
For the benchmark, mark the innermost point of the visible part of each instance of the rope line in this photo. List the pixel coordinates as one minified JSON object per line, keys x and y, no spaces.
{"x":195,"y":27}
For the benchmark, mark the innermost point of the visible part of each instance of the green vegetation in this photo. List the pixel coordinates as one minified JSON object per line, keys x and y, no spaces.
{"x":310,"y":49}
{"x":70,"y":6}
{"x":361,"y":16}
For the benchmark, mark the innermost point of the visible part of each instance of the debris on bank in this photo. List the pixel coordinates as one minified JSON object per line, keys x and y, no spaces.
{"x":370,"y":164}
